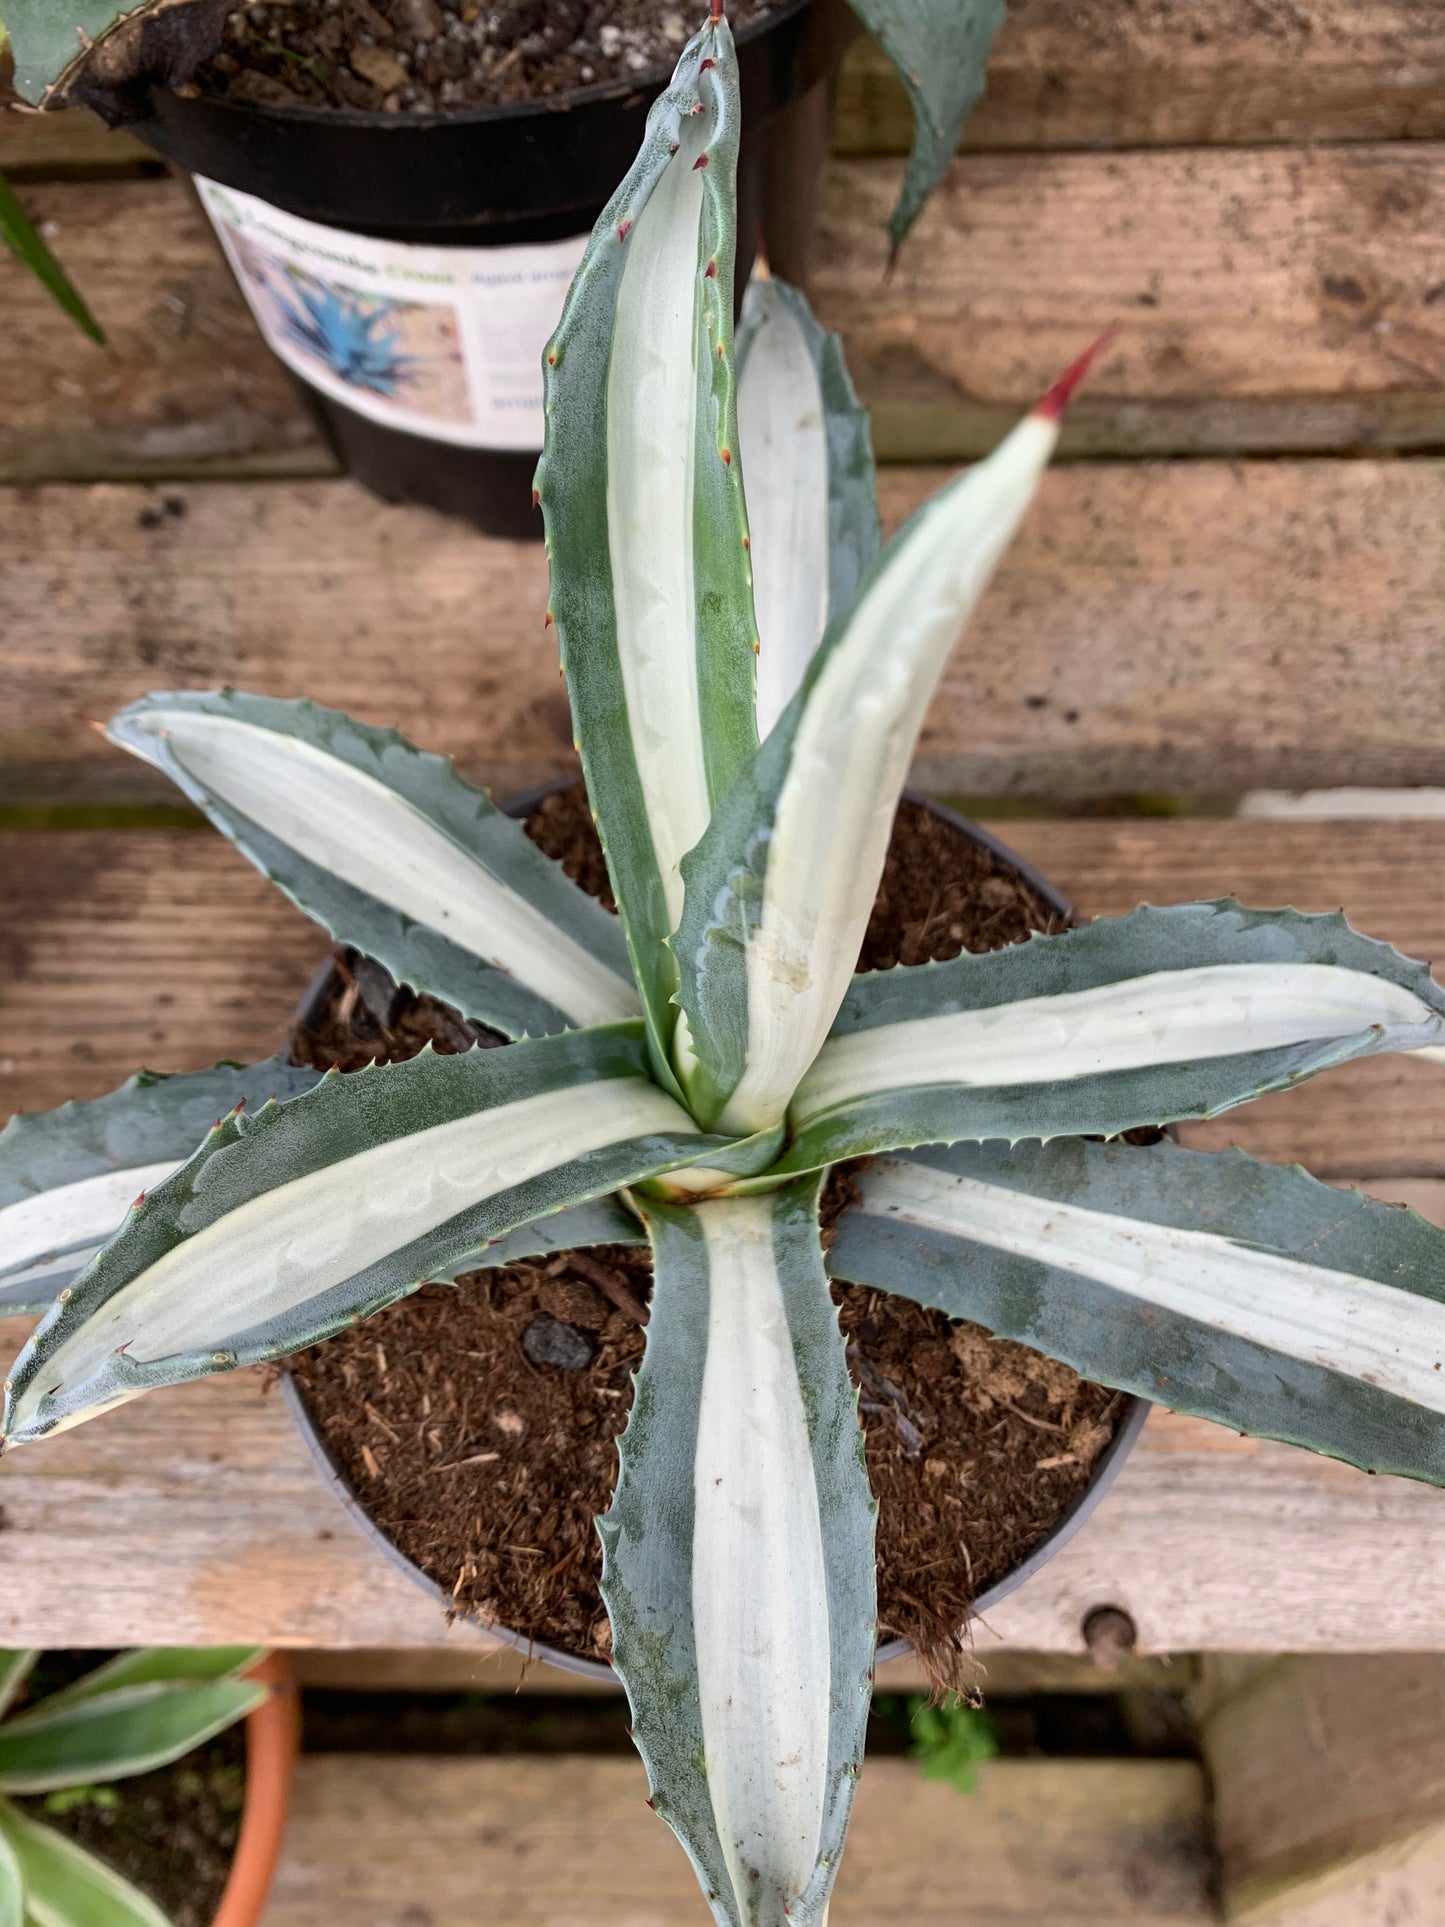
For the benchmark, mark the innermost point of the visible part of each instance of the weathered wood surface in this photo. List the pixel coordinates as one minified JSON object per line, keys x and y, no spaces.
{"x":390,"y":1842}
{"x":1324,"y":1772}
{"x":1201,"y":626}
{"x":165,"y":948}
{"x":1077,"y":73}
{"x":1144,"y":73}
{"x":1275,"y":300}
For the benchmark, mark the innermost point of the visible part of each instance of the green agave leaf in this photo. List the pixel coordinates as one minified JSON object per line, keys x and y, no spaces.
{"x":67,"y":1887}
{"x":12,"y":1884}
{"x":90,"y":50}
{"x":15,"y":1665}
{"x":646,"y":527}
{"x":389,"y":850}
{"x":290,"y":1224}
{"x":779,"y":890}
{"x":1241,"y":1292}
{"x":738,"y":1564}
{"x":940,"y":50}
{"x":27,"y":244}
{"x":67,"y":1176}
{"x":115,"y":1735}
{"x":150,"y":1665}
{"x":1144,"y":1019}
{"x":808,"y":469}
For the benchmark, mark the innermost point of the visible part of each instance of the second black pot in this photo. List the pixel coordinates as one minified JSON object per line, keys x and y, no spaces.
{"x":350,"y":232}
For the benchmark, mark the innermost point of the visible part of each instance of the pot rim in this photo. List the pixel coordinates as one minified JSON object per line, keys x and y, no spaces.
{"x":598,"y":93}
{"x":273,"y":1737}
{"x":1106,"y":1467}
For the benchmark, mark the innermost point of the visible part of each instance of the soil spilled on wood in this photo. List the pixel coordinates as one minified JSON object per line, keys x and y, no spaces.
{"x":478,"y":1422}
{"x":399,"y":56}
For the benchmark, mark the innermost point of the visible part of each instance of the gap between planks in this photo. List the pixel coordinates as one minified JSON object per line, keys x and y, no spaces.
{"x":1156,"y":627}
{"x":1275,"y":301}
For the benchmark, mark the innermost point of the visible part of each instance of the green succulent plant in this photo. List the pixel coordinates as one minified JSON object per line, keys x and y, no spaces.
{"x":688,"y":1071}
{"x":137,"y":1712}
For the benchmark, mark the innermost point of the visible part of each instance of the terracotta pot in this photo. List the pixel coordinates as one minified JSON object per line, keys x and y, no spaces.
{"x":1106,"y":1468}
{"x":273,"y":1735}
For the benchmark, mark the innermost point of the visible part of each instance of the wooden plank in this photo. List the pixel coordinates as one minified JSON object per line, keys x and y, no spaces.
{"x":1198,"y":626}
{"x":1322,"y":1772}
{"x":69,"y":146}
{"x":1276,"y":300}
{"x":185,"y":384}
{"x":1066,"y":75}
{"x":163,"y":947}
{"x":552,"y":1842}
{"x":195,"y":1516}
{"x":1134,"y":73}
{"x":1273,"y":299}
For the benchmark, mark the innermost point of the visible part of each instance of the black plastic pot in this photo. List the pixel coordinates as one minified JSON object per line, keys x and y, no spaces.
{"x":1106,"y":1468}
{"x":530,"y":172}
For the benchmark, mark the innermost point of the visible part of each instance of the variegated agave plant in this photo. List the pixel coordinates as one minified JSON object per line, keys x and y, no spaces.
{"x":690,"y":1070}
{"x":136,"y":1712}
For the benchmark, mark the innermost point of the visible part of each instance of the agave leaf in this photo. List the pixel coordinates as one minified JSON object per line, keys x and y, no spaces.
{"x":115,"y":1735}
{"x":67,"y":1887}
{"x":100,"y":53}
{"x":290,"y":1224}
{"x":646,"y":528}
{"x":149,"y":1665}
{"x":1138,"y":1020}
{"x":808,"y":470}
{"x":15,"y":1665}
{"x":779,"y":890}
{"x":738,"y":1557}
{"x":27,"y":244}
{"x":67,"y":1176}
{"x":1241,"y":1292}
{"x":12,"y":1884}
{"x":389,"y":850}
{"x":940,"y":50}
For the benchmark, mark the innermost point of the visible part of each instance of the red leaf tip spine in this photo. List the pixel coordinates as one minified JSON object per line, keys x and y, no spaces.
{"x":701,"y":161}
{"x":1052,"y":405}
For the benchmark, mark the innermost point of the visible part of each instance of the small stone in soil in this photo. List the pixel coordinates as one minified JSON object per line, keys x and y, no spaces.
{"x":548,"y":1341}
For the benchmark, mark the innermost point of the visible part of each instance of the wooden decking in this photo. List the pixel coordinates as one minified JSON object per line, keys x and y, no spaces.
{"x":1234,"y":581}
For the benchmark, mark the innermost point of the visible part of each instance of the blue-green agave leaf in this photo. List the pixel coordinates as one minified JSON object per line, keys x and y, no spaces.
{"x":738,"y":1565}
{"x":940,"y":50}
{"x":64,"y":1885}
{"x":289,"y":1224}
{"x":389,"y":850}
{"x":91,"y":50}
{"x":67,"y":1175}
{"x":808,"y":470}
{"x":1145,"y":1019}
{"x":642,"y":497}
{"x":115,"y":1735}
{"x":1241,"y":1292}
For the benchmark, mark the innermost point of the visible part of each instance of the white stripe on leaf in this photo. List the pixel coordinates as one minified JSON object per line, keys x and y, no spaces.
{"x":1167,"y":1017}
{"x":760,"y":1603}
{"x":1385,"y":1336}
{"x":860,"y":715}
{"x":785,"y":471}
{"x":652,"y":401}
{"x":44,"y":1235}
{"x":373,"y":839}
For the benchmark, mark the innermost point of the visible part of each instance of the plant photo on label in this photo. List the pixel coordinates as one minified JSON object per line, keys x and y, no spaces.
{"x":748,"y":666}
